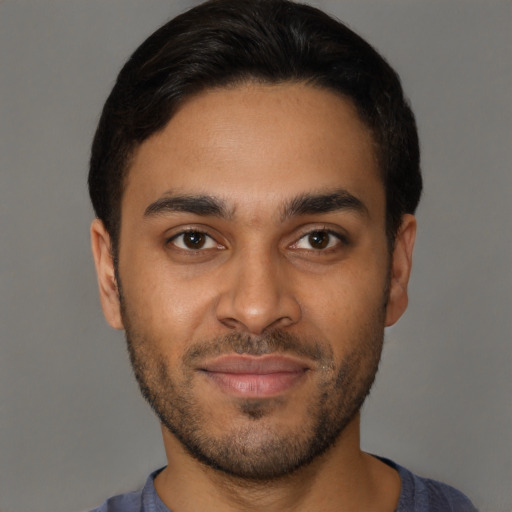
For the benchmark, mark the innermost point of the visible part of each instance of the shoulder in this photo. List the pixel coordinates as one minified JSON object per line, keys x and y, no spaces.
{"x":144,"y":500}
{"x":129,"y":502}
{"x":420,"y":494}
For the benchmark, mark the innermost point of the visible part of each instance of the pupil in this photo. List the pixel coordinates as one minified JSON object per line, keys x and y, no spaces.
{"x":194,"y":240}
{"x":319,"y":239}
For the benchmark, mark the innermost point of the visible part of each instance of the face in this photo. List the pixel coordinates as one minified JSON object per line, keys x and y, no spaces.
{"x":255,"y":278}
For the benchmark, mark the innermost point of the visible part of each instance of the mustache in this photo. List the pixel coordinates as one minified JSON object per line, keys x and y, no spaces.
{"x":268,"y":343}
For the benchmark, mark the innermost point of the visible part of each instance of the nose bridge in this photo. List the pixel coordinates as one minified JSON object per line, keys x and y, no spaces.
{"x":257,"y":295}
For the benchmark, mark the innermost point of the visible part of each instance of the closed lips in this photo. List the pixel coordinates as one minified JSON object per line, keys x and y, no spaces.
{"x":255,"y":376}
{"x":258,"y":365}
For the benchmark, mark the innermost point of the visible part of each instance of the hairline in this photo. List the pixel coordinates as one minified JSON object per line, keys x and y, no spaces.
{"x":231,"y":84}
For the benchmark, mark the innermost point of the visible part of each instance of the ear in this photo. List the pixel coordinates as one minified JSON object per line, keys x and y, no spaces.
{"x":109,"y":294}
{"x":400,"y":269}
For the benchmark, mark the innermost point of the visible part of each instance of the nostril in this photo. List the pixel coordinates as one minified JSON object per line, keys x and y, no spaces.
{"x":255,"y":296}
{"x":257,"y":320}
{"x":231,"y":323}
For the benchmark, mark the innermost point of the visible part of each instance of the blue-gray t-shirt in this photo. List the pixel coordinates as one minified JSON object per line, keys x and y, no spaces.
{"x":416,"y":495}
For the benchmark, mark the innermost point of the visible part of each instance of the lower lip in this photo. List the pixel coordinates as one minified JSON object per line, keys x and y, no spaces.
{"x":250,"y":385}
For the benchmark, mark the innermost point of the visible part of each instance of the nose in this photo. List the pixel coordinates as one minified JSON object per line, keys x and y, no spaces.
{"x":257,"y":295}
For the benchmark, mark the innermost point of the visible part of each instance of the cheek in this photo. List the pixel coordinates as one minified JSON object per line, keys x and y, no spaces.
{"x":346,"y":305}
{"x":163,"y":306}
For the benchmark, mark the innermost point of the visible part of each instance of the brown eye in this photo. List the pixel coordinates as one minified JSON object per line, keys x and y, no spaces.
{"x":319,"y":239}
{"x":193,"y":241}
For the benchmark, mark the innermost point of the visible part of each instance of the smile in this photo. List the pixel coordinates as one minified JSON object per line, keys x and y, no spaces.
{"x":255,"y":377}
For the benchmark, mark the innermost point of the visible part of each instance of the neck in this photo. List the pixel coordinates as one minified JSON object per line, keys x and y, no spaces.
{"x":343,"y":478}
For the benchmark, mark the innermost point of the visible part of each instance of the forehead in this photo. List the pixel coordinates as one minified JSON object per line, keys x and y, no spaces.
{"x":254,"y":142}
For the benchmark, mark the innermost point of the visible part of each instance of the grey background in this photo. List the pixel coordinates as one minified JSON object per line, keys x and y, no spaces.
{"x":73,"y":429}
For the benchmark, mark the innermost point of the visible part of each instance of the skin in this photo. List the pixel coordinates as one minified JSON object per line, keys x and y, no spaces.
{"x":255,"y":149}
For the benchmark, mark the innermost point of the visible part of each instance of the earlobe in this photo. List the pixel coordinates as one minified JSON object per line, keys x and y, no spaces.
{"x":401,"y":269}
{"x":102,"y":253}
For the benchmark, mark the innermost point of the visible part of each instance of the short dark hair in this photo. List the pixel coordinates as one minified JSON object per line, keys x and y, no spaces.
{"x":226,"y":42}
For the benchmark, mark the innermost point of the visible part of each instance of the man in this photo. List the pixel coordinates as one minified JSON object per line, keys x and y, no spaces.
{"x":255,"y":173}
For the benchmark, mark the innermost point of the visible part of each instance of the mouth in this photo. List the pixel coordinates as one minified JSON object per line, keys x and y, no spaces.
{"x":255,"y":376}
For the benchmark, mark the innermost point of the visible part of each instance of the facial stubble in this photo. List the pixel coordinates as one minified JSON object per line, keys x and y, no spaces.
{"x":258,"y":448}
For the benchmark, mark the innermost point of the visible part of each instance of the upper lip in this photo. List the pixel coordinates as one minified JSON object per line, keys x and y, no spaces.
{"x":258,"y":365}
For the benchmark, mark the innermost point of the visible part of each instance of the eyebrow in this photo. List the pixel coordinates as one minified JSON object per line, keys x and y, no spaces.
{"x":317,"y":204}
{"x":196,"y":204}
{"x":304,"y":204}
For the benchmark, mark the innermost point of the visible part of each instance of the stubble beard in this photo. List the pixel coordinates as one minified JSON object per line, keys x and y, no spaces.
{"x":257,"y":450}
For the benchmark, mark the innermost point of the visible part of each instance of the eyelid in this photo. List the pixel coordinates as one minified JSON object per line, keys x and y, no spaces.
{"x":193,"y":229}
{"x":342,"y":238}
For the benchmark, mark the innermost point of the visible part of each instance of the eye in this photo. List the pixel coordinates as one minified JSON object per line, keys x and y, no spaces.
{"x":193,"y":241}
{"x":318,"y":240}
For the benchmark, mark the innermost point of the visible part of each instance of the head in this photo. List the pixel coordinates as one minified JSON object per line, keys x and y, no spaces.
{"x":254,"y":173}
{"x":222,"y":43}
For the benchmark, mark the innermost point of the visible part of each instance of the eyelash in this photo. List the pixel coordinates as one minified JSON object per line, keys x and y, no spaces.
{"x":172,"y":240}
{"x":340,"y":238}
